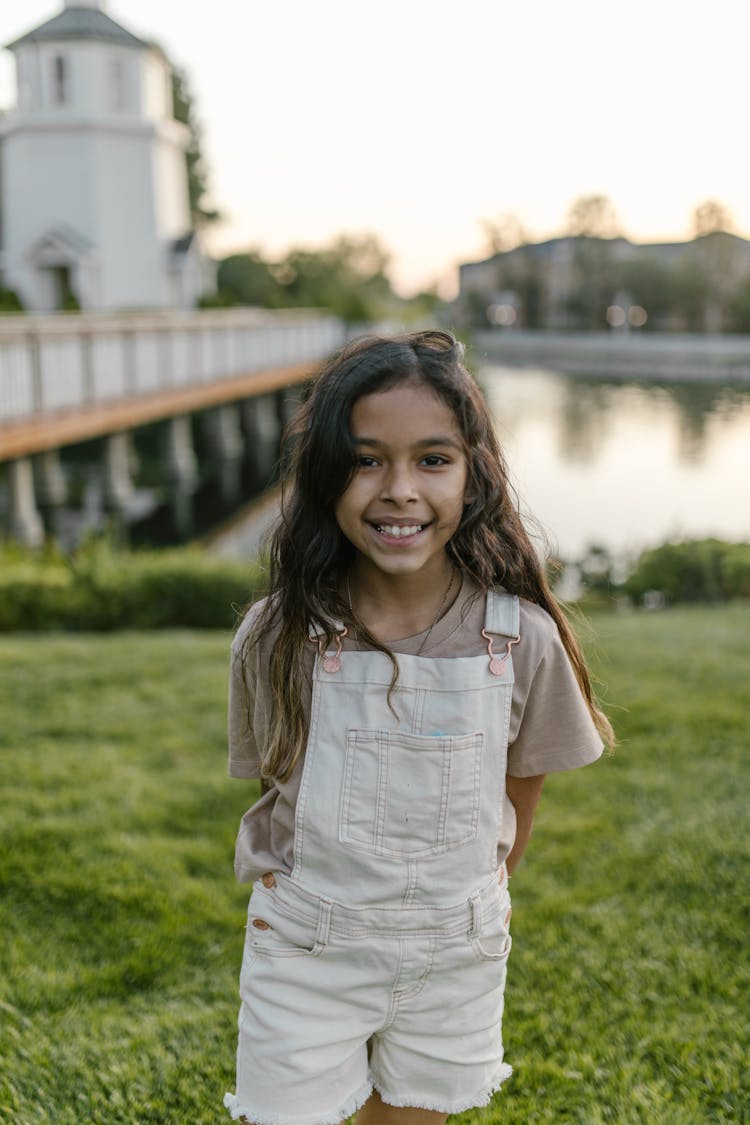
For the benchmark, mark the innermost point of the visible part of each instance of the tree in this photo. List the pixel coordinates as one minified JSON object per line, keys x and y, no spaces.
{"x":592,"y":216}
{"x":503,"y":234}
{"x":184,"y":111}
{"x":10,"y":301}
{"x":348,"y":277}
{"x":246,"y":279}
{"x":711,"y":217}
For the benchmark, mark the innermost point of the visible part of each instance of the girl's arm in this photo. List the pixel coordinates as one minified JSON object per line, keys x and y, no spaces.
{"x":524,"y":793}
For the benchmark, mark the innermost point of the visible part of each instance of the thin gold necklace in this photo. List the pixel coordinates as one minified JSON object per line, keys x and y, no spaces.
{"x":439,"y":614}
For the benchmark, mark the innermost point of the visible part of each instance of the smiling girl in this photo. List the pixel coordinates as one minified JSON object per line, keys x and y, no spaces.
{"x":402,"y":692}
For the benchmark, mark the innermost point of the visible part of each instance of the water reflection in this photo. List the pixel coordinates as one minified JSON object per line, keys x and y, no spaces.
{"x":585,"y":421}
{"x":625,"y":464}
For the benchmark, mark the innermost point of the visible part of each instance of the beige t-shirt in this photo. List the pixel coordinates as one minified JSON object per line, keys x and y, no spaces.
{"x":550,"y":725}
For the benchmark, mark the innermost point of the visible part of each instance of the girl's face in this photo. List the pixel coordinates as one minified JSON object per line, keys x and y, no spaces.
{"x":408,"y":491}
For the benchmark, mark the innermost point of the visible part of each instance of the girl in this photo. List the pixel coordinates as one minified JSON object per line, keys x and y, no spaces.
{"x":402,"y":692}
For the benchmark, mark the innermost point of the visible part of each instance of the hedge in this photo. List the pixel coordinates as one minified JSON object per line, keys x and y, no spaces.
{"x":99,"y":588}
{"x":694,"y":570}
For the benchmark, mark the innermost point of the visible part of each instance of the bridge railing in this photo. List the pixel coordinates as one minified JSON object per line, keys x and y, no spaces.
{"x":67,"y":361}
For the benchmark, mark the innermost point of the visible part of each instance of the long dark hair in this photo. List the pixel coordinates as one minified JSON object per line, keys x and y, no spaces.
{"x":310,"y":557}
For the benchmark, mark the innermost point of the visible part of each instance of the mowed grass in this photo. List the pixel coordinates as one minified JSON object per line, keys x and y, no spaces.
{"x":122,"y":928}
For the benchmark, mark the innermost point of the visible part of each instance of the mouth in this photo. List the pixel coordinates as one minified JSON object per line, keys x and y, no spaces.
{"x":398,"y":530}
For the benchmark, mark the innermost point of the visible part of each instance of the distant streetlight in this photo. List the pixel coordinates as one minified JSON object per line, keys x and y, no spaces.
{"x":632,"y":316}
{"x":503,"y":315}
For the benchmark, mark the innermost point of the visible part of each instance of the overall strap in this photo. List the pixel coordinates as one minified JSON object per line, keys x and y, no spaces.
{"x":502,"y":616}
{"x":316,"y":633}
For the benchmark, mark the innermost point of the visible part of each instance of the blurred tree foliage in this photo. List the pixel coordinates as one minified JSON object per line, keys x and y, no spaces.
{"x":247,"y":279}
{"x":10,"y":301}
{"x":504,"y":233}
{"x":348,"y":276}
{"x":709,"y":217}
{"x":592,"y":216}
{"x":184,"y":111}
{"x":691,"y":570}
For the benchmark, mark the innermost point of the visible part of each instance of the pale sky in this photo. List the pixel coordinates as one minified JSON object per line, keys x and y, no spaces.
{"x":417,"y":119}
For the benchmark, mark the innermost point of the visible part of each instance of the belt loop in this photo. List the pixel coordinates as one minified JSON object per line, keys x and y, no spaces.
{"x":324,"y":924}
{"x":475,"y":902}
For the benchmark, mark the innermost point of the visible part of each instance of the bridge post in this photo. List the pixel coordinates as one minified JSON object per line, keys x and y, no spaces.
{"x":52,"y":487}
{"x":182,"y":471}
{"x":118,"y":487}
{"x":260,"y":421}
{"x":224,"y":438}
{"x":25,"y":523}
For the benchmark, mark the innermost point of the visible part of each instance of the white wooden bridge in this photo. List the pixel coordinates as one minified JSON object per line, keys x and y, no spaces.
{"x":70,"y":378}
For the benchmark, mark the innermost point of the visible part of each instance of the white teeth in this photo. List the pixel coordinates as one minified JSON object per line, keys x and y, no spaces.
{"x":399,"y":532}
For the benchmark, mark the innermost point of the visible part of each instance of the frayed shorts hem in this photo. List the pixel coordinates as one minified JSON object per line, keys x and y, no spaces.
{"x":438,"y":1105}
{"x":232,"y":1103}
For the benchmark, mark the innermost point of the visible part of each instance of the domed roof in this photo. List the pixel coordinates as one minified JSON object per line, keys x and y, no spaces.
{"x":80,"y":22}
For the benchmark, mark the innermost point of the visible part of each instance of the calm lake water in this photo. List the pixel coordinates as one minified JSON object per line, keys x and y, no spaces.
{"x":624,"y":465}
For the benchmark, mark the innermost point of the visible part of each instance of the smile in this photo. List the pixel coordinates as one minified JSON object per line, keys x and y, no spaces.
{"x":395,"y":531}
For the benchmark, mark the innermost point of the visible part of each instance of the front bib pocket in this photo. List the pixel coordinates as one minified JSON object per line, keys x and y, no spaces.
{"x":410,"y":795}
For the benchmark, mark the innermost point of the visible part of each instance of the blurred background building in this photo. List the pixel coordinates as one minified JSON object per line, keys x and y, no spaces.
{"x":585,"y":281}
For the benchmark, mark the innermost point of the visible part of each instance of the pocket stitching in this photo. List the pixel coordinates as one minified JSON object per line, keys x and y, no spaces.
{"x":381,"y":741}
{"x":483,"y":955}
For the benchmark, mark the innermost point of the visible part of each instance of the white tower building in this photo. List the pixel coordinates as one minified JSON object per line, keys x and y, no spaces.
{"x":94,"y":181}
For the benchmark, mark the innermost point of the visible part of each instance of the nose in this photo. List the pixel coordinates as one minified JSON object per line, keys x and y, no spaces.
{"x":399,"y":485}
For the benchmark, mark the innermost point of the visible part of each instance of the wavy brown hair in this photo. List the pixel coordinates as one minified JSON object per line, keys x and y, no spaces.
{"x":310,"y":557}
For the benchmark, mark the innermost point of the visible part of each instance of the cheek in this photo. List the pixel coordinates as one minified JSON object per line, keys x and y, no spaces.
{"x":339,"y":513}
{"x":346,"y":507}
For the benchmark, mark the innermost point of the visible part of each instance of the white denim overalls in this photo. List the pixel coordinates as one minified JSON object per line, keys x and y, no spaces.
{"x":380,"y":960}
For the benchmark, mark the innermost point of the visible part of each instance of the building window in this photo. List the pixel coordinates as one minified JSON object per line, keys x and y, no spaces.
{"x":60,"y":92}
{"x":118,"y":85}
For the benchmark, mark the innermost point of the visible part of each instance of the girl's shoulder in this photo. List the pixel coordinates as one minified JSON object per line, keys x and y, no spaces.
{"x":540,"y":638}
{"x":253,"y":615}
{"x":536,"y":622}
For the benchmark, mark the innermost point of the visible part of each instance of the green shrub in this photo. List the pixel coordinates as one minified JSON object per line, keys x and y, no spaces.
{"x":32,"y":596}
{"x":10,"y":302}
{"x":100,"y":588}
{"x":695,"y":570}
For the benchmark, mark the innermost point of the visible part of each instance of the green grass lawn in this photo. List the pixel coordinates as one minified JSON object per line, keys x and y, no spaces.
{"x":122,"y":928}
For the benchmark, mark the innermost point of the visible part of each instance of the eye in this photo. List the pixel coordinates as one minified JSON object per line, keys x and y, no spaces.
{"x":365,"y":462}
{"x":434,"y":460}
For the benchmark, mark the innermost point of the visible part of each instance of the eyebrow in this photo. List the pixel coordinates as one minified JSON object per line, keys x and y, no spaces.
{"x":439,"y":439}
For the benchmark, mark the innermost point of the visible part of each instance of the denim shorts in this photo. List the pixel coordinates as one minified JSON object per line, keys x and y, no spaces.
{"x":338,"y":1000}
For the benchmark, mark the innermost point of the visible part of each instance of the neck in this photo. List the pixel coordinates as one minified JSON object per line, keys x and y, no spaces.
{"x":395,"y":606}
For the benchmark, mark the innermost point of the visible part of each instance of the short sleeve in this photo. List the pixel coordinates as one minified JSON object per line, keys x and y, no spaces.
{"x":244,"y":758}
{"x":556,"y":731}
